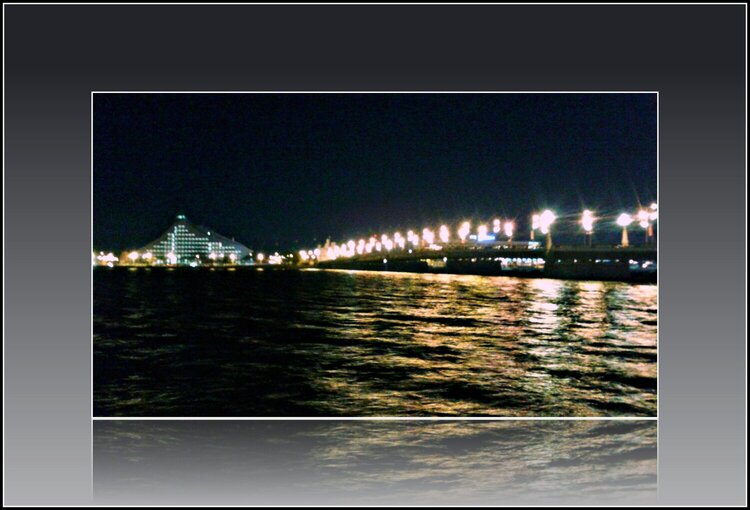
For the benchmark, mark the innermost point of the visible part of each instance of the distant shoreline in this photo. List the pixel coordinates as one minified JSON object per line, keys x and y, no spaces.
{"x":647,"y":277}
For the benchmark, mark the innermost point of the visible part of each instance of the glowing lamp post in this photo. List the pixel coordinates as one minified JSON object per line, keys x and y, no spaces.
{"x":624,"y":220}
{"x":587,"y":222}
{"x":109,"y":259}
{"x":496,"y":226}
{"x":398,"y":240}
{"x":653,"y":215}
{"x":481,"y":232}
{"x":413,"y":239}
{"x":508,"y":227}
{"x":444,"y":234}
{"x":546,"y":219}
{"x":463,"y":231}
{"x":535,"y":219}
{"x":428,"y":236}
{"x":645,"y":223}
{"x":133,"y":256}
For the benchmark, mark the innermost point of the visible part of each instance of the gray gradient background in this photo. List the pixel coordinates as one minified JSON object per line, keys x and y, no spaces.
{"x":56,"y":55}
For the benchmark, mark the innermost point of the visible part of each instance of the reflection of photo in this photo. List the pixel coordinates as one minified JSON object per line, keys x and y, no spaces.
{"x":413,"y":255}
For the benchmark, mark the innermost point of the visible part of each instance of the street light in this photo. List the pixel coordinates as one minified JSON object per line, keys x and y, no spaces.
{"x":534,"y":225}
{"x":398,"y":240}
{"x":587,"y":222}
{"x":444,"y":234}
{"x":496,"y":226}
{"x":653,"y":216}
{"x":624,"y":220}
{"x":546,"y":219}
{"x":463,"y":232}
{"x":644,"y":218}
{"x":481,"y":232}
{"x":508,"y":227}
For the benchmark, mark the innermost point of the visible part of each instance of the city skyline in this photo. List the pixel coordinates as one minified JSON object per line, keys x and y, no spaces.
{"x":269,"y":169}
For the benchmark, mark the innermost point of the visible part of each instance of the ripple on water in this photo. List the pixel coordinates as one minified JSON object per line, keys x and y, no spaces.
{"x":327,"y":343}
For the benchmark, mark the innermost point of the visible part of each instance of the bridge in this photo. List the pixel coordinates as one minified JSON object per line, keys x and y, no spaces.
{"x":487,"y":253}
{"x":618,"y":263}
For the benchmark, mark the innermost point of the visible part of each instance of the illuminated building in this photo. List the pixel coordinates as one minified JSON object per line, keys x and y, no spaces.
{"x":188,"y":244}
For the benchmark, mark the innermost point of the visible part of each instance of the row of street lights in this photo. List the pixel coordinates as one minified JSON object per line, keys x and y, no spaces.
{"x":645,"y":217}
{"x":541,"y":222}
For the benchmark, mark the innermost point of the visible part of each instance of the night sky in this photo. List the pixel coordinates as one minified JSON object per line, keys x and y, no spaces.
{"x":284,"y":171}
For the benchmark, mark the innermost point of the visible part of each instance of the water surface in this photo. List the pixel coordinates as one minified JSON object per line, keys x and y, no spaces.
{"x":334,"y":343}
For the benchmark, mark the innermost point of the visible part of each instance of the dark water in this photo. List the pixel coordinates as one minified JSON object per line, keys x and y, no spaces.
{"x":331,"y":343}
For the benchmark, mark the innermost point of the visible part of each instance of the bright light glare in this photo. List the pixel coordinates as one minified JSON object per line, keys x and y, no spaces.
{"x":108,"y":258}
{"x":444,"y":233}
{"x":624,"y":219}
{"x":413,"y":238}
{"x":496,"y":226}
{"x":133,"y":255}
{"x":463,"y":232}
{"x":508,"y":227}
{"x":399,"y":240}
{"x":643,"y":218}
{"x":546,"y":219}
{"x":654,"y":214}
{"x":587,"y":221}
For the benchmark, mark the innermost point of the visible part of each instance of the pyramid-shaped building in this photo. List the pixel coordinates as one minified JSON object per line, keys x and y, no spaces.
{"x":185,"y":243}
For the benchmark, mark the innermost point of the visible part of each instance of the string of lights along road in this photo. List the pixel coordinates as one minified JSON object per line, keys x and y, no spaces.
{"x":185,"y":244}
{"x":496,"y":231}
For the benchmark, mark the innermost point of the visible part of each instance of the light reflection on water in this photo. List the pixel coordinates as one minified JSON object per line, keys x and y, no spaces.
{"x":375,"y":462}
{"x":338,"y":343}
